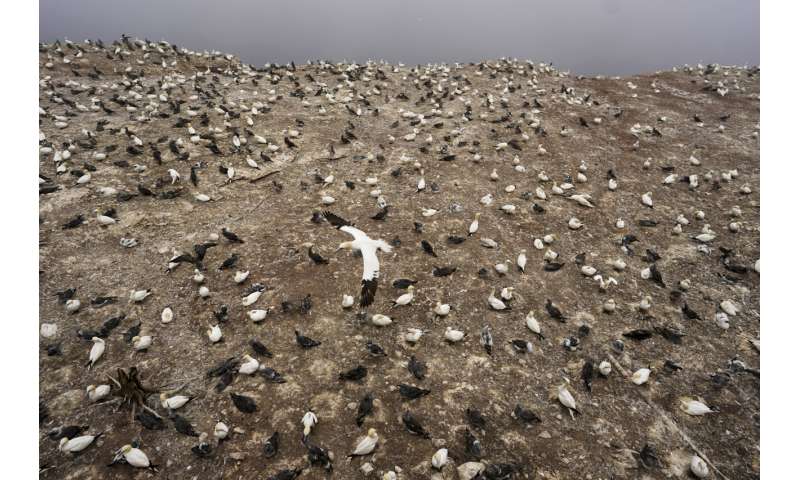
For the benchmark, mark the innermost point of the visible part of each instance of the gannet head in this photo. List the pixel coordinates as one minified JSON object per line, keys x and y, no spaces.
{"x":345,"y":246}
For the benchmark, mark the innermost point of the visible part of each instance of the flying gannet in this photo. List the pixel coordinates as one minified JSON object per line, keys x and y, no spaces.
{"x":368,"y":248}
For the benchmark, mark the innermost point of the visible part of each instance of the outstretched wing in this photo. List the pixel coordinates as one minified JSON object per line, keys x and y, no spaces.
{"x":369,"y":280}
{"x":336,"y":220}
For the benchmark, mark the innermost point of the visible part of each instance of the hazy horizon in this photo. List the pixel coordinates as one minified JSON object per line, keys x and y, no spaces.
{"x":612,"y":37}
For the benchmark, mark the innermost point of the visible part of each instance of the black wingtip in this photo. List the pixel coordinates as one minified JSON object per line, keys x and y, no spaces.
{"x":368,"y":289}
{"x":335,"y":220}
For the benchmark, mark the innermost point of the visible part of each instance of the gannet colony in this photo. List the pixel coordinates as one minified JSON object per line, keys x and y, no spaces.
{"x":489,"y":270}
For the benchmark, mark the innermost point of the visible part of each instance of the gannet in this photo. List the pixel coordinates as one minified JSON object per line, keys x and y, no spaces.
{"x":694,"y":407}
{"x":368,"y":248}
{"x":473,"y":227}
{"x":495,"y":302}
{"x":76,"y":444}
{"x":367,"y":444}
{"x":405,"y":298}
{"x":175,"y":402}
{"x":97,"y":350}
{"x":98,"y":392}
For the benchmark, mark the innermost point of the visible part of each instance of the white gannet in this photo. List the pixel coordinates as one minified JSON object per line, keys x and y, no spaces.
{"x":473,"y":227}
{"x":76,"y":444}
{"x":367,"y":444}
{"x":522,"y":260}
{"x":175,"y":402}
{"x":405,"y":298}
{"x":442,"y":309}
{"x":368,"y":248}
{"x":97,"y":351}
{"x":495,"y":302}
{"x":98,"y":392}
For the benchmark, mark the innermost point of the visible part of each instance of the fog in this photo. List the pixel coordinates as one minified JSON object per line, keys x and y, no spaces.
{"x":582,"y":36}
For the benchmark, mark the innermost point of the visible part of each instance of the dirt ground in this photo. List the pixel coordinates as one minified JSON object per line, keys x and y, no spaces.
{"x":677,"y":115}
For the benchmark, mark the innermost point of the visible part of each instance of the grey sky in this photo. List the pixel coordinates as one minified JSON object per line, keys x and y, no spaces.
{"x":584,"y":36}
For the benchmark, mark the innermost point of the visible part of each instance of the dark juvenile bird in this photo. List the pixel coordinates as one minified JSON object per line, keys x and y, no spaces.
{"x":486,"y":339}
{"x":428,"y":248}
{"x":184,"y":426}
{"x":655,"y":276}
{"x":75,"y":222}
{"x":150,"y":421}
{"x":304,"y":341}
{"x":65,"y":295}
{"x":202,"y":449}
{"x":232,"y":237}
{"x":103,"y":301}
{"x":132,"y":332}
{"x":381,"y":215}
{"x":410,"y":392}
{"x":354,"y":374}
{"x":403,"y":283}
{"x":417,"y":368}
{"x":230,"y":262}
{"x":587,"y":374}
{"x":455,"y":240}
{"x":271,"y":375}
{"x":553,"y":266}
{"x":364,"y":408}
{"x":375,"y":350}
{"x":554,"y":312}
{"x":316,"y":257}
{"x":288,"y":474}
{"x":70,"y":431}
{"x":475,"y":418}
{"x":260,"y":348}
{"x":271,"y":445}
{"x":318,"y":456}
{"x":638,"y":334}
{"x":244,"y":403}
{"x":413,"y":425}
{"x":525,"y":415}
{"x":221,"y":315}
{"x":689,"y":313}
{"x":472,"y":445}
{"x":443,"y":271}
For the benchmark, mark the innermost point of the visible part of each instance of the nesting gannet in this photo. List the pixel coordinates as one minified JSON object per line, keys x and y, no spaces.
{"x":368,"y":248}
{"x":309,"y":420}
{"x":522,"y":260}
{"x":640,"y":376}
{"x":441,"y":309}
{"x":495,"y":303}
{"x":175,"y":402}
{"x":97,"y":350}
{"x":413,"y":335}
{"x":453,"y":336}
{"x":97,"y":392}
{"x":142,"y":343}
{"x":76,"y":444}
{"x":249,"y":365}
{"x":405,"y":298}
{"x":694,"y":407}
{"x":566,"y":399}
{"x":134,"y":457}
{"x":220,"y":431}
{"x":366,"y":444}
{"x":347,"y":301}
{"x":473,"y":227}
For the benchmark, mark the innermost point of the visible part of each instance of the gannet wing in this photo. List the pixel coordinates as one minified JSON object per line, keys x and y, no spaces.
{"x":335,"y":220}
{"x":369,"y":281}
{"x":356,"y":233}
